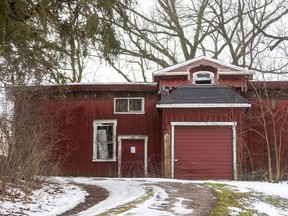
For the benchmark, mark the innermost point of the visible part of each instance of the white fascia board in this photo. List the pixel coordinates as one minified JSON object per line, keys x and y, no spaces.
{"x":226,"y":105}
{"x":203,"y":123}
{"x":237,"y":68}
{"x":198,"y":59}
{"x":235,"y":73}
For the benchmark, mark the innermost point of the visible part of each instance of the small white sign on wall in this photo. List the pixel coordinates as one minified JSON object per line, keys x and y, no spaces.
{"x":133,"y":149}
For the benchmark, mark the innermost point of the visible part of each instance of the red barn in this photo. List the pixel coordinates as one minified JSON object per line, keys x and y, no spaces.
{"x":196,"y":121}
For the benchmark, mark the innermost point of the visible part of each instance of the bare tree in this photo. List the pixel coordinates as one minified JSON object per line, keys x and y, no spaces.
{"x":178,"y":30}
{"x":33,"y":136}
{"x":171,"y":34}
{"x":268,"y":119}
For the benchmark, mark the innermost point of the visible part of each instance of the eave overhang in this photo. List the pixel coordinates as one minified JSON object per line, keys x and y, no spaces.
{"x":191,"y":61}
{"x":242,"y":73}
{"x":205,"y":105}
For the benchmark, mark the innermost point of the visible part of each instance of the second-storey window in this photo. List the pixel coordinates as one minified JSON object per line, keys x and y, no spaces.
{"x":129,"y":105}
{"x":203,"y":77}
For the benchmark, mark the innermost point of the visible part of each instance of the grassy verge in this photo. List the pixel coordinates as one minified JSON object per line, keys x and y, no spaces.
{"x":228,"y":199}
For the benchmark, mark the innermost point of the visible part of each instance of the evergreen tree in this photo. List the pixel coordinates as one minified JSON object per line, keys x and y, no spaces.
{"x":43,"y":39}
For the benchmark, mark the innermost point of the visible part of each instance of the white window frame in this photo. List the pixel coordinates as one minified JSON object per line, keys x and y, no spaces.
{"x":130,"y":112}
{"x":203,"y":72}
{"x":97,"y":123}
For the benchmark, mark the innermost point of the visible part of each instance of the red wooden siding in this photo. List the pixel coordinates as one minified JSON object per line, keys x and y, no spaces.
{"x":78,"y":115}
{"x":173,"y":83}
{"x":277,"y":133}
{"x":203,"y":152}
{"x":170,"y":78}
{"x":203,"y":115}
{"x":234,"y":82}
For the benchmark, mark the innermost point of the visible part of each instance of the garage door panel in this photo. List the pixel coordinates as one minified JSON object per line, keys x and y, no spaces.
{"x":216,"y":139}
{"x":202,"y":174}
{"x":203,"y":152}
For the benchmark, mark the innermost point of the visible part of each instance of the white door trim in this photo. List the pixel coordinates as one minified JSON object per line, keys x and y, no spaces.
{"x":234,"y":138}
{"x":131,"y":137}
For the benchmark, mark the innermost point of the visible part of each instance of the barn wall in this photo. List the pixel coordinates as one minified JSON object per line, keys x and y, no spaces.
{"x":272,"y":129}
{"x":77,"y":117}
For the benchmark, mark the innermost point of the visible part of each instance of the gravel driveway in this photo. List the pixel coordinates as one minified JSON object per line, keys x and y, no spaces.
{"x":194,"y":196}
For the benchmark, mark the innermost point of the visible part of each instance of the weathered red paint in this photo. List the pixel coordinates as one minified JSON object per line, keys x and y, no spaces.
{"x":77,"y":118}
{"x":270,"y":130}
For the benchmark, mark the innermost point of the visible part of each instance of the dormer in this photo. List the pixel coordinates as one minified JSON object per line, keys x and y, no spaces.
{"x":202,"y":71}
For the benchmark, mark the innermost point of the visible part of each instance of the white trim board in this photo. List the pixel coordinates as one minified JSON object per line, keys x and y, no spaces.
{"x":203,"y":105}
{"x":235,"y":73}
{"x":131,"y":137}
{"x":204,"y":124}
{"x":173,"y":67}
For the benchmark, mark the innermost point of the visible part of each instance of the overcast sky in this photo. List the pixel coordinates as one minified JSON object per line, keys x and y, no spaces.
{"x":104,"y":73}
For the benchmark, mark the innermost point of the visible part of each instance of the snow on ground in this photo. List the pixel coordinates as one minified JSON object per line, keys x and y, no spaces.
{"x":152,"y":206}
{"x":179,"y":208}
{"x":50,"y":200}
{"x":122,"y":191}
{"x":267,"y":209}
{"x":141,"y":195}
{"x":276,"y":190}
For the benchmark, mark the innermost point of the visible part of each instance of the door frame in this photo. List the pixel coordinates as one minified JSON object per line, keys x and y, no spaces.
{"x":198,"y":124}
{"x":131,"y":137}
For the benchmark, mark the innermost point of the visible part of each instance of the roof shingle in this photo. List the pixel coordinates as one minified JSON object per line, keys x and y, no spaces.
{"x":203,"y":94}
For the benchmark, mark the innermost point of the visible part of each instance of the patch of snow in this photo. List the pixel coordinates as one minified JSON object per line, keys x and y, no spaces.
{"x":273,"y":189}
{"x":120,"y":192}
{"x":45,"y":201}
{"x":235,"y":211}
{"x":152,"y":206}
{"x":180,"y":208}
{"x":267,"y":209}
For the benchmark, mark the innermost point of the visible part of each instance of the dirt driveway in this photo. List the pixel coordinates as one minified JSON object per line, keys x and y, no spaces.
{"x":198,"y":198}
{"x":195,"y":197}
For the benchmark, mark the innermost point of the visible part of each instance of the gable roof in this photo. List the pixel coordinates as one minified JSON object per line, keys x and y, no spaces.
{"x":168,"y":70}
{"x":203,"y":96}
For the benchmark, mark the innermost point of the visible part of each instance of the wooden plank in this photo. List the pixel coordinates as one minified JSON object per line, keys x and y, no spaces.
{"x":167,"y":155}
